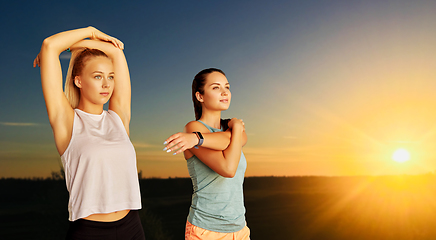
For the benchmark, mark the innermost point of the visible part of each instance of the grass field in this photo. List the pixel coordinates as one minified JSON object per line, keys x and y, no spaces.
{"x":388,"y":207}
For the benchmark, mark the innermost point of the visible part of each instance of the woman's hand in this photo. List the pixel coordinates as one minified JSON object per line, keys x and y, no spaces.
{"x":36,"y":61}
{"x":99,"y":35}
{"x":234,"y":122}
{"x":180,"y":141}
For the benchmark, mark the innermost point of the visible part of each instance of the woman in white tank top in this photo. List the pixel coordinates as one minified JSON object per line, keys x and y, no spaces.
{"x":98,"y":157}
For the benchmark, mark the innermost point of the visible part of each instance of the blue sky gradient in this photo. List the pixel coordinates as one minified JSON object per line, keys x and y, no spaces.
{"x":325,"y":87}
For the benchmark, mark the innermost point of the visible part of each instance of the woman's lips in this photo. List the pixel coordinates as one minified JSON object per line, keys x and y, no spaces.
{"x":105,"y":94}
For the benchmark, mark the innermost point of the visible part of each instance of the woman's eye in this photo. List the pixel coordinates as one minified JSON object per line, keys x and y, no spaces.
{"x":97,"y":77}
{"x":111,"y":78}
{"x":215,"y":88}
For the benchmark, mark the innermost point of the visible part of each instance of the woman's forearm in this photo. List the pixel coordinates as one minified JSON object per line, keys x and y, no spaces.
{"x":182,"y":141}
{"x":217,"y":140}
{"x":220,"y":140}
{"x":106,"y":47}
{"x":62,"y":41}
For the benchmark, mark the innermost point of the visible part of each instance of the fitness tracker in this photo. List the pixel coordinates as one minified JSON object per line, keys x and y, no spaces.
{"x":200,"y":139}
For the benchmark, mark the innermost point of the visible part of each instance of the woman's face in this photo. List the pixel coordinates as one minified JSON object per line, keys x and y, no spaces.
{"x":96,"y":82}
{"x":217,"y":93}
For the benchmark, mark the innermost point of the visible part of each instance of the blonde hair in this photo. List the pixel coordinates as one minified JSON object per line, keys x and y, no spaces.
{"x":72,"y":92}
{"x":77,"y":62}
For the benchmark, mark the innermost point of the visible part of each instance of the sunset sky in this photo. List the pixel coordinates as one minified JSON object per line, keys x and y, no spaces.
{"x":324,"y":87}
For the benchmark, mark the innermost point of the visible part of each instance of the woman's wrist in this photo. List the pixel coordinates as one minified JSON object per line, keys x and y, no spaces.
{"x":200,"y":138}
{"x":237,"y":128}
{"x":195,"y":141}
{"x":91,"y":30}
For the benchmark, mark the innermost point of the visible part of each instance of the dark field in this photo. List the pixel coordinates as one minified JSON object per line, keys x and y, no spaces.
{"x":393,"y":207}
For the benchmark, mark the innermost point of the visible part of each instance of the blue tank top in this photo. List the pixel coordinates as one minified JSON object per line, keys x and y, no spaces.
{"x":217,"y":202}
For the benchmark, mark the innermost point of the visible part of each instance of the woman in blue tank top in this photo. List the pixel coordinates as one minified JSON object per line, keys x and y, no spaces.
{"x":213,"y":150}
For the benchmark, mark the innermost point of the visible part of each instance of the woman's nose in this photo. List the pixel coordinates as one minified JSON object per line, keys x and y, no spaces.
{"x":105,"y":83}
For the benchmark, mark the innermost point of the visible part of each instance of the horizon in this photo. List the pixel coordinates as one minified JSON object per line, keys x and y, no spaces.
{"x":58,"y":178}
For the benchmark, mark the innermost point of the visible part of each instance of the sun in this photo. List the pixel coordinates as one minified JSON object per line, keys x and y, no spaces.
{"x":401,"y":155}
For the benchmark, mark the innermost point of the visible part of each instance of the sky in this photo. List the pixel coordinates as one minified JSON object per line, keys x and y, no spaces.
{"x":328,"y":88}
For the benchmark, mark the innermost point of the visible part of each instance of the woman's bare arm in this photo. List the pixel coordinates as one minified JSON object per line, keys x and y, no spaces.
{"x":226,"y":162}
{"x":182,"y":141}
{"x":60,"y":113}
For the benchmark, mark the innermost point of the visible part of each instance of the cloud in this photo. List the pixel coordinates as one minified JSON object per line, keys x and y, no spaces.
{"x":15,"y":124}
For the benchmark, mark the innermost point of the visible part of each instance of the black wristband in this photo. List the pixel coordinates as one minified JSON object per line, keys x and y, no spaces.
{"x":200,"y":139}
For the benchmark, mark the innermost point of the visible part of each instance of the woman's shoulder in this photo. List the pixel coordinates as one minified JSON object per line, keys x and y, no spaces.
{"x":193,"y":123}
{"x":195,"y":126}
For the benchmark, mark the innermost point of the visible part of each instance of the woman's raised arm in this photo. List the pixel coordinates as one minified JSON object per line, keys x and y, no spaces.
{"x":60,"y":112}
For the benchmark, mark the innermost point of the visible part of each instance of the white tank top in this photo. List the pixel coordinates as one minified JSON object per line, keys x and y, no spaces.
{"x":100,"y":166}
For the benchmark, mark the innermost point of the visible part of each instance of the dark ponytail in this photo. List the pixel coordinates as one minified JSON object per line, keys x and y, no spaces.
{"x":225,"y":123}
{"x":198,"y":86}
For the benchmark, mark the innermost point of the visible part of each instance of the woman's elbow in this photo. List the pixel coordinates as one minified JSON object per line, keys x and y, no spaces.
{"x":47,"y":43}
{"x":228,"y":173}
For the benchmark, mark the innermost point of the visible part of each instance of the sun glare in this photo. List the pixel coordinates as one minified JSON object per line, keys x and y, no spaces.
{"x":401,"y":155}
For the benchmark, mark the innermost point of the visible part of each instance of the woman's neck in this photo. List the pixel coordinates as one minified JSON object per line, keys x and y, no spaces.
{"x":90,"y":108}
{"x":212,"y":119}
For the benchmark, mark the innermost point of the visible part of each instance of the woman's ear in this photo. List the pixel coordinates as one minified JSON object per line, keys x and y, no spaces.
{"x":77,"y":82}
{"x":199,"y":97}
